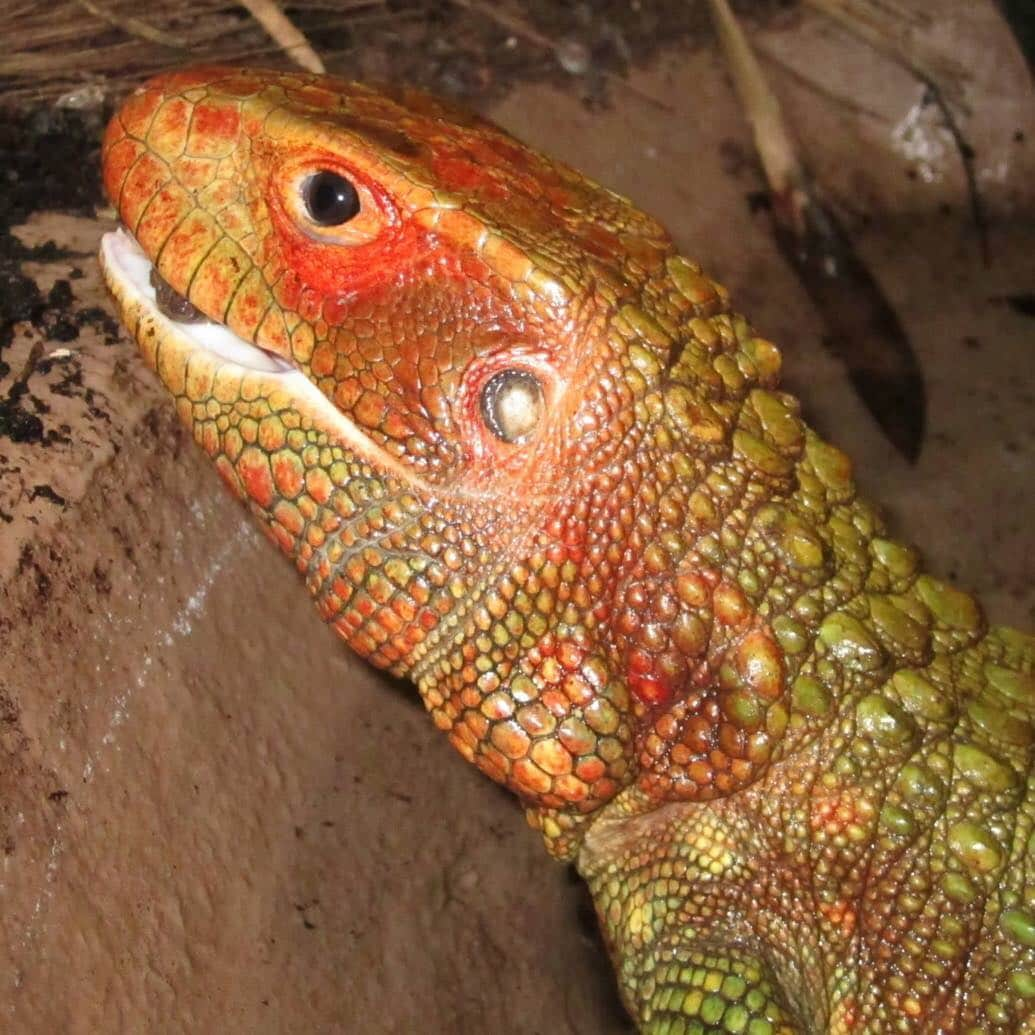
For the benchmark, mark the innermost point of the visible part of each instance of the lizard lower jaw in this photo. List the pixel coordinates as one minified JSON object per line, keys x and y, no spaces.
{"x":129,"y":268}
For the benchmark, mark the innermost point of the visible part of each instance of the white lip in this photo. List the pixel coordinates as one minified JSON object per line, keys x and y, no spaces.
{"x":125,"y":260}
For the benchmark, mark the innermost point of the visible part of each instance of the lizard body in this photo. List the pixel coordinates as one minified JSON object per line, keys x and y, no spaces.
{"x":525,"y":454}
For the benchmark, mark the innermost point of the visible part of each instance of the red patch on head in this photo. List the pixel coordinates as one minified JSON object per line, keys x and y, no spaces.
{"x":458,"y":173}
{"x":215,"y":122}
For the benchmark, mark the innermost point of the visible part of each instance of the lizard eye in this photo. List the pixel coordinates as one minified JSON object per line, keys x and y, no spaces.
{"x":330,"y":199}
{"x":512,"y":404}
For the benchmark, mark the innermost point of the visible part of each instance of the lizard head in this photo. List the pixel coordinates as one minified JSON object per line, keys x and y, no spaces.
{"x":482,"y":405}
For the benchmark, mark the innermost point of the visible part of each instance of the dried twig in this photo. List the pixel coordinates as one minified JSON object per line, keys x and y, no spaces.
{"x":811,"y":84}
{"x":269,"y":15}
{"x":863,"y":329}
{"x":133,"y":26}
{"x":783,"y":169}
{"x":966,"y":153}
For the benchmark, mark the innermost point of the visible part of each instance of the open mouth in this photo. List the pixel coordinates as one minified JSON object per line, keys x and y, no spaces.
{"x":159,"y":317}
{"x":126,"y":264}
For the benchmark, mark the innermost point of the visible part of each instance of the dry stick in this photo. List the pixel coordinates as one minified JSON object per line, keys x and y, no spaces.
{"x":46,"y":77}
{"x":133,"y":26}
{"x":37,"y":65}
{"x":521,"y":28}
{"x":783,"y":169}
{"x":966,"y":153}
{"x":217,"y":31}
{"x":284,"y":32}
{"x":208,"y":7}
{"x":903,"y":12}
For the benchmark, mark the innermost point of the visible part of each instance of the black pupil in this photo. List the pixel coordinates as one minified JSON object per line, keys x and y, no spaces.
{"x":330,"y":199}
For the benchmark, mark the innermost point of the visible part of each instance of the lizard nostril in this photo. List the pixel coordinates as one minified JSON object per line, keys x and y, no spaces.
{"x":172,"y":303}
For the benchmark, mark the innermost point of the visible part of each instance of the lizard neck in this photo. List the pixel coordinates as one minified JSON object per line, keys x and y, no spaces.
{"x":788,"y":613}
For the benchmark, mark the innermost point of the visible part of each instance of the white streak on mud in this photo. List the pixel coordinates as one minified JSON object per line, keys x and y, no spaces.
{"x":203,"y":525}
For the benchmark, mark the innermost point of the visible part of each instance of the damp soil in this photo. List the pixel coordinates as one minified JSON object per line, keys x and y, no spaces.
{"x":40,"y":148}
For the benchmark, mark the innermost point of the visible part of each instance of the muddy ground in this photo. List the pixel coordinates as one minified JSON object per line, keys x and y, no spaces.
{"x":211,"y":817}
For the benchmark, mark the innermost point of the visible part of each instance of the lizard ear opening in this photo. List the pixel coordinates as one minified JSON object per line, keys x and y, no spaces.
{"x":512,"y":405}
{"x":508,"y":401}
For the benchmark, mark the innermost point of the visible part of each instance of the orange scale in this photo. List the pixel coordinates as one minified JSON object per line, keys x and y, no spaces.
{"x":120,"y":153}
{"x":512,"y":740}
{"x":492,"y":766}
{"x":167,"y":135}
{"x":230,"y":477}
{"x":215,"y":193}
{"x":147,"y":177}
{"x":413,"y":636}
{"x":272,"y":333}
{"x":731,"y":606}
{"x":192,"y":238}
{"x":570,"y":788}
{"x":530,"y":778}
{"x":254,"y":470}
{"x":570,"y":655}
{"x":701,"y":772}
{"x":590,"y":769}
{"x":281,"y":537}
{"x":478,"y":724}
{"x":167,"y":209}
{"x":389,"y":621}
{"x":214,"y":129}
{"x":288,"y":473}
{"x":551,"y":757}
{"x":138,"y":111}
{"x":578,"y":690}
{"x":556,"y":702}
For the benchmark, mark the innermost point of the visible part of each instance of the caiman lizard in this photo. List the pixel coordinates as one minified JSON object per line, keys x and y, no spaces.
{"x":525,"y":454}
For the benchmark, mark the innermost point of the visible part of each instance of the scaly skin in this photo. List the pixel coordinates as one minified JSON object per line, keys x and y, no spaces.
{"x":794,"y":770}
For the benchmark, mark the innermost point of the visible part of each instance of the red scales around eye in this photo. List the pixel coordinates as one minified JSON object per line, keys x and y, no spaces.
{"x":336,"y":259}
